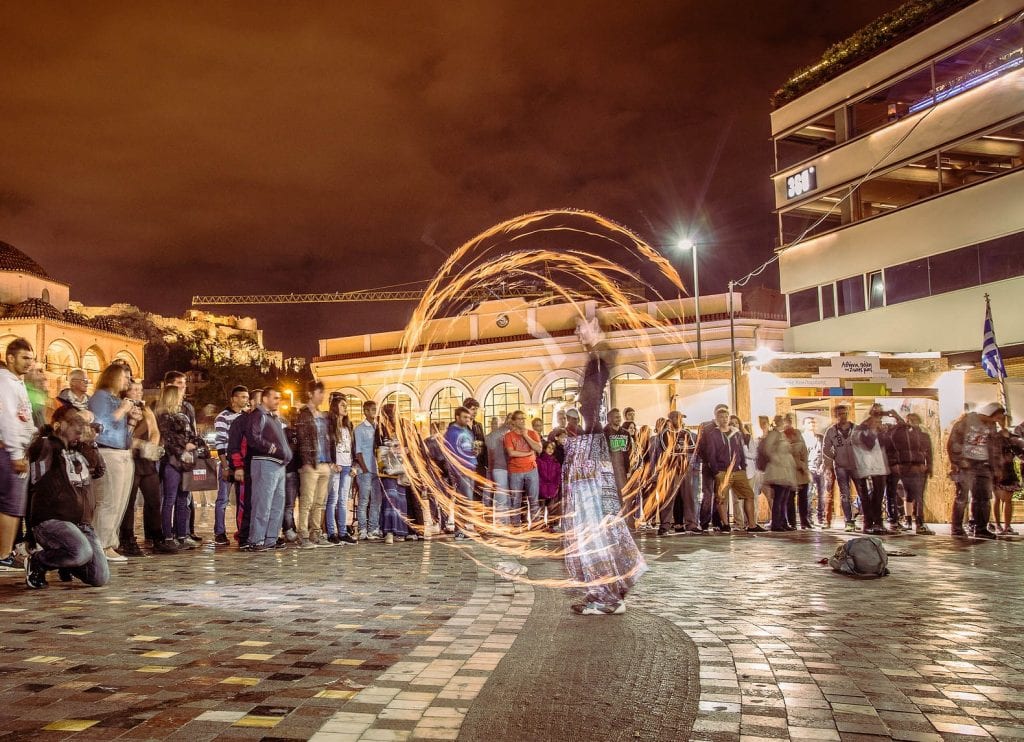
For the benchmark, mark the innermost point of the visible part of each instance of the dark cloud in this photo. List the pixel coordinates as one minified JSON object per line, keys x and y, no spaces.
{"x":154,"y":151}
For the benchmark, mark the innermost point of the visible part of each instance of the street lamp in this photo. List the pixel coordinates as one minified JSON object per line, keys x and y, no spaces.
{"x":686,"y":244}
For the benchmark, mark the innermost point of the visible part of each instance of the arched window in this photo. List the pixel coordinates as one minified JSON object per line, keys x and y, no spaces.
{"x":355,"y":406}
{"x":45,"y":296}
{"x":133,"y":365}
{"x":402,"y":402}
{"x":442,"y":406}
{"x":60,"y":358}
{"x":560,"y":394}
{"x":628,"y":376}
{"x":501,"y":400}
{"x":93,"y":362}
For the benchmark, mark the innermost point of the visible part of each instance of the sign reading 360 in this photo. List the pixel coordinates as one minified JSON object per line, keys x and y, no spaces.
{"x":800,"y":183}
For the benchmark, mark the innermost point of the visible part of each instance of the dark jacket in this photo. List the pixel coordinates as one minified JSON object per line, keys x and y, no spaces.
{"x":909,"y":449}
{"x":481,"y":458}
{"x":265,"y":437}
{"x":60,"y":483}
{"x":970,"y":429}
{"x":308,"y":440}
{"x":721,"y":450}
{"x":175,"y":433}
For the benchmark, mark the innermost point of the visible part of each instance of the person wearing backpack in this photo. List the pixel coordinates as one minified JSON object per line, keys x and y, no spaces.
{"x":838,"y":466}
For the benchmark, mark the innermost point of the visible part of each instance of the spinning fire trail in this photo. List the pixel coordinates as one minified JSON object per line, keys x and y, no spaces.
{"x":502,"y":258}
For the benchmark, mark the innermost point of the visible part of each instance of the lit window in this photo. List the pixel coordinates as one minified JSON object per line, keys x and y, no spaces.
{"x":444,"y":403}
{"x":403,"y":403}
{"x":814,"y":217}
{"x":876,"y":290}
{"x":501,"y":400}
{"x":850,"y":292}
{"x":560,"y":394}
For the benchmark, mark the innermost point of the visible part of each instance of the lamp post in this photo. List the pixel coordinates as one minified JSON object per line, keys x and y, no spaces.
{"x":688,"y":245}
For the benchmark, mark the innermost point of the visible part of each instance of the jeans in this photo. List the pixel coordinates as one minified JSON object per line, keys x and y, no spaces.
{"x":394,"y":508}
{"x":267,"y":502}
{"x":464,"y":488}
{"x":146,"y":480}
{"x":527,"y":482}
{"x":842,"y":477}
{"x":336,"y":508}
{"x":369,"y":502}
{"x":871,"y":490}
{"x":223,"y":497}
{"x":708,"y":514}
{"x":894,"y":507}
{"x":977,"y":481}
{"x":76,"y":548}
{"x":313,"y":485}
{"x":803,"y":506}
{"x":818,"y":480}
{"x":782,"y":495}
{"x":500,"y":496}
{"x":175,"y":509}
{"x":291,"y":494}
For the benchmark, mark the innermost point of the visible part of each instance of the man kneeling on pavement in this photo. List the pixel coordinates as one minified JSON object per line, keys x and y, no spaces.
{"x":61,"y":503}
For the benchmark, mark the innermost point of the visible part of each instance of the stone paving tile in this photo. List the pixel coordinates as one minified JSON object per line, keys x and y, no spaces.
{"x":230,"y":645}
{"x":933,"y":652}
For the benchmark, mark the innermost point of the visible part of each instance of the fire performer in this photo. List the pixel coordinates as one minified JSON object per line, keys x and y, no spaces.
{"x":600,"y":553}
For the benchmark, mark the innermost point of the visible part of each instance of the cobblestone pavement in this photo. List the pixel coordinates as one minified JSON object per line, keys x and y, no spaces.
{"x":790,"y":650}
{"x":399,"y":642}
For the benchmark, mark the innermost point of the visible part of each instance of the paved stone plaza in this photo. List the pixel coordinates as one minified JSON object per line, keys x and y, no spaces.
{"x":727,"y":637}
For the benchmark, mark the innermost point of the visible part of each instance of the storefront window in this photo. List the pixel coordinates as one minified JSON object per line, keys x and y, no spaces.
{"x":814,"y":217}
{"x":850,"y":292}
{"x":803,"y":307}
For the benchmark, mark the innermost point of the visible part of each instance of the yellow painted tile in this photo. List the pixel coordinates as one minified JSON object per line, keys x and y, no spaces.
{"x":262,"y":722}
{"x":348,"y":626}
{"x":13,"y":610}
{"x":76,"y":632}
{"x":335,"y":694}
{"x":345,"y":661}
{"x":251,"y":643}
{"x":159,"y":654}
{"x":254,"y":656}
{"x":154,"y":668}
{"x":142,"y":638}
{"x":236,"y":680}
{"x":44,"y":659}
{"x":70,"y":725}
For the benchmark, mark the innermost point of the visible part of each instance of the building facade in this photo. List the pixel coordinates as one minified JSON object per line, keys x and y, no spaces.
{"x":38,"y":308}
{"x":899,"y":187}
{"x":512,"y":354}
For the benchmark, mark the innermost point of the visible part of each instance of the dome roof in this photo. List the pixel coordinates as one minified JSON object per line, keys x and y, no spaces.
{"x":35,"y":308}
{"x":14,"y":260}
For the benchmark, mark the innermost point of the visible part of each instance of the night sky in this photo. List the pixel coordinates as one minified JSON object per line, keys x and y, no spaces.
{"x":149,"y":151}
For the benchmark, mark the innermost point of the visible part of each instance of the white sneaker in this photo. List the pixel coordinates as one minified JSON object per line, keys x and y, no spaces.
{"x":389,"y":539}
{"x":113,"y":556}
{"x":363,"y":535}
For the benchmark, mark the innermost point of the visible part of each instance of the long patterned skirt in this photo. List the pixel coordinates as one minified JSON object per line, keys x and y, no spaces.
{"x":601,"y":555}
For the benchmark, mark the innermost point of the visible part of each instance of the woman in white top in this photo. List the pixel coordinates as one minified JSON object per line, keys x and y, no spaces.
{"x":340,"y":483}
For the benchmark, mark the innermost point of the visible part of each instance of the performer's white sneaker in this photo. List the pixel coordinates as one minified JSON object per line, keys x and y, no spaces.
{"x":599,"y":609}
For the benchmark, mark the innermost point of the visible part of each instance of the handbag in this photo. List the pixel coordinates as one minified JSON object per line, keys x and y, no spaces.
{"x":200,"y":476}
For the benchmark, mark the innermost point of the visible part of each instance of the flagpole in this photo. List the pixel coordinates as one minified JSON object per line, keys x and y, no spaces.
{"x":1002,"y":377}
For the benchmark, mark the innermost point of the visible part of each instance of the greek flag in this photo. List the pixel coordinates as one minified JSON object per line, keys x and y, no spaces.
{"x":991,"y":360}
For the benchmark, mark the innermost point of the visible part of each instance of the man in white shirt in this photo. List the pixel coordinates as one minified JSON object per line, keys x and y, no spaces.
{"x":16,"y":432}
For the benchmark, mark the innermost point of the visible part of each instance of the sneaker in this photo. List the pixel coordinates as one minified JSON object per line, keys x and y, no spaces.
{"x":248,"y":547}
{"x":290,"y":535}
{"x":334,"y":538}
{"x":281,"y":544}
{"x":460,"y":536}
{"x":35,"y":578}
{"x":165,"y":546}
{"x":389,"y":539}
{"x":186,"y":544}
{"x":131,"y":549}
{"x":220,"y":539}
{"x":8,"y":563}
{"x":374,"y":536}
{"x":984,"y":533}
{"x":113,"y":556}
{"x":961,"y":533}
{"x":598,"y":609}
{"x":850,"y":526}
{"x":347,"y":539}
{"x":662,"y":532}
{"x":305,"y":543}
{"x":923,"y":530}
{"x":363,"y":536}
{"x":756,"y":529}
{"x":724,"y":529}
{"x":196,"y":541}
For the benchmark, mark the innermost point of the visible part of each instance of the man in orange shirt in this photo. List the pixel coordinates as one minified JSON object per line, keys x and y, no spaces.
{"x":522,"y":446}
